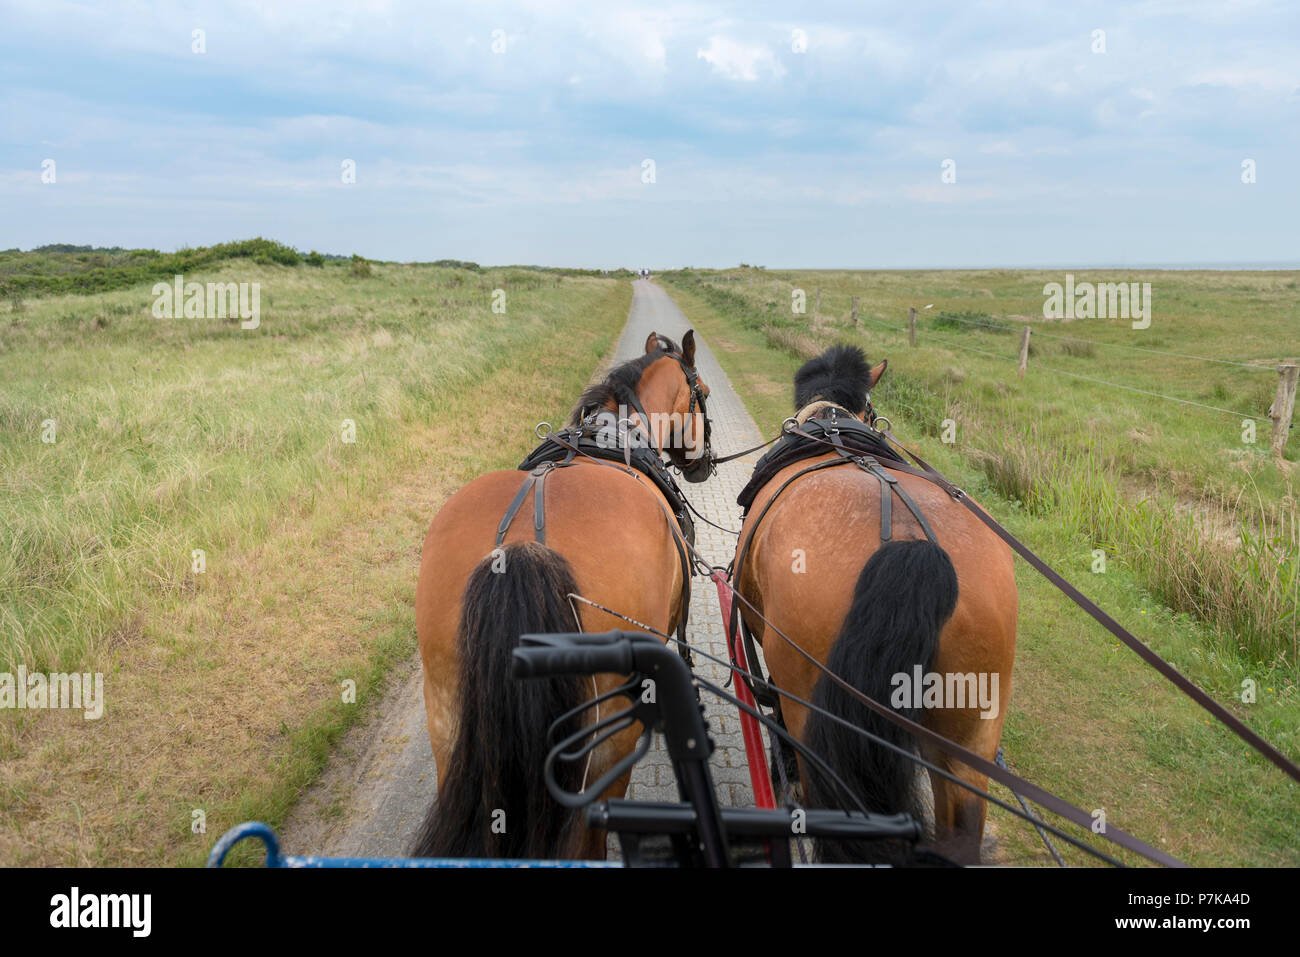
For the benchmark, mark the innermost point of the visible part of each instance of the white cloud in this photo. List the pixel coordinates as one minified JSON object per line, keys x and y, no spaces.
{"x":738,"y":61}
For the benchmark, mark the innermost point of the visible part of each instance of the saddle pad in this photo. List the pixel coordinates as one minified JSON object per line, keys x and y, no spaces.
{"x":858,"y":439}
{"x":601,"y":443}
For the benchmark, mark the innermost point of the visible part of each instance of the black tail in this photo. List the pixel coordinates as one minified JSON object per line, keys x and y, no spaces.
{"x":904,"y":596}
{"x":493,"y":801}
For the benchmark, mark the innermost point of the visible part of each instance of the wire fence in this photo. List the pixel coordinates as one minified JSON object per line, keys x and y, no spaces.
{"x":991,"y":327}
{"x":1114,"y":345}
{"x":1280,"y":412}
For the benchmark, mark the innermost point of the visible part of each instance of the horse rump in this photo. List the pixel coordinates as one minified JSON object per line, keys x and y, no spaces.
{"x":493,"y":802}
{"x":904,"y":596}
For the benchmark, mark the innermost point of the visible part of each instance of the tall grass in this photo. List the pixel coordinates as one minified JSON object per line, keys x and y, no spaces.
{"x":80,"y":269}
{"x":172,"y":436}
{"x":1159,"y":487}
{"x":1238,"y":571}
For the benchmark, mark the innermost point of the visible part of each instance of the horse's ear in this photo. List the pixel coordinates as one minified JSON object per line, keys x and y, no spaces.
{"x":652,"y":342}
{"x":876,"y":373}
{"x":688,"y":347}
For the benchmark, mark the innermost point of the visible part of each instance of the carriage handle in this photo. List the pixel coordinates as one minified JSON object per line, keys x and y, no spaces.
{"x":542,"y":656}
{"x":689,"y":744}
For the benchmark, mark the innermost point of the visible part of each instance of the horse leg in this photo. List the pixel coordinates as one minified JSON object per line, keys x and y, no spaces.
{"x":440,"y":714}
{"x":958,"y":814}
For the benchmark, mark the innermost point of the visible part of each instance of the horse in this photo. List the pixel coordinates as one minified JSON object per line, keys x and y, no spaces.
{"x":885,"y":618}
{"x":610,"y":538}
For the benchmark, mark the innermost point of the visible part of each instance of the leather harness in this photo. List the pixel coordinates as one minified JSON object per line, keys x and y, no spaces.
{"x":602,"y":439}
{"x":855,"y":443}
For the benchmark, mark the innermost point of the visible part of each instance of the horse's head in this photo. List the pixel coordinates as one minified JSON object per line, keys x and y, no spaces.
{"x":840,"y":375}
{"x":661,"y":396}
{"x":673,"y":394}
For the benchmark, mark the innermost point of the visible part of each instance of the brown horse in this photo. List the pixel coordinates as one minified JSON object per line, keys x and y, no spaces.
{"x":884,"y":619}
{"x":609,"y":538}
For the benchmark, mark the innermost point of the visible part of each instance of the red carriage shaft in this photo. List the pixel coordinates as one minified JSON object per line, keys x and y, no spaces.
{"x":759,"y":776}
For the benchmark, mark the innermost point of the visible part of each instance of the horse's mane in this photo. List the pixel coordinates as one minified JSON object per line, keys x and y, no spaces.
{"x":841,"y":375}
{"x":621,"y":381}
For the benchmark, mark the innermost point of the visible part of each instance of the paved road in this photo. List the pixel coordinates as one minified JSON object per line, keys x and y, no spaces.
{"x":372,"y":796}
{"x":733,"y":428}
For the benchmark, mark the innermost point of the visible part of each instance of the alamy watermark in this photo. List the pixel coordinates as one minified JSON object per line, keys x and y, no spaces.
{"x":1107,"y":300}
{"x":129,"y":911}
{"x":930,"y":689}
{"x":216,"y":300}
{"x":37,"y":691}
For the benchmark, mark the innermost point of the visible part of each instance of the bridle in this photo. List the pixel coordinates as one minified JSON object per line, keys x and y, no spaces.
{"x":871,"y":418}
{"x":697,"y":399}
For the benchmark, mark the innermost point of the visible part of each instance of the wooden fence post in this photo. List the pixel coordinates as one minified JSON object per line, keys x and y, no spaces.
{"x":1024,"y":352}
{"x":911,"y":324}
{"x":1283,"y":406}
{"x":854,"y":312}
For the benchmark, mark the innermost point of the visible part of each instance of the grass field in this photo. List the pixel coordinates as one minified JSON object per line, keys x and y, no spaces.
{"x":224,"y":686}
{"x":1070,"y":466}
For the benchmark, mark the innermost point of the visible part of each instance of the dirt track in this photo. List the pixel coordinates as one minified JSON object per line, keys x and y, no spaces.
{"x":374,"y":793}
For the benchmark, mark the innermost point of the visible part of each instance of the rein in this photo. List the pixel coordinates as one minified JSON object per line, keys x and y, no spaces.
{"x":1010,"y":780}
{"x":1182,"y":683}
{"x":718,"y":460}
{"x":697,"y":398}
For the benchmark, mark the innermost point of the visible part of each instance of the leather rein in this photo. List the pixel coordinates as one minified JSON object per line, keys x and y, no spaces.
{"x":926,"y":471}
{"x":697,"y":399}
{"x":535,"y":480}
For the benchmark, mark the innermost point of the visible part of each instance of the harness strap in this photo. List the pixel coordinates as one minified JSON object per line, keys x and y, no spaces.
{"x":675,"y":533}
{"x":515,"y":504}
{"x":539,"y":505}
{"x":1183,"y":684}
{"x":886,"y":504}
{"x":760,"y":688}
{"x":870,"y":465}
{"x":888,"y":481}
{"x":639,"y":409}
{"x":720,"y":459}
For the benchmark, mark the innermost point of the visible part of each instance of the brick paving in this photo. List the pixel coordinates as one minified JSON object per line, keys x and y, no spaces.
{"x":382,"y":776}
{"x":733,"y":428}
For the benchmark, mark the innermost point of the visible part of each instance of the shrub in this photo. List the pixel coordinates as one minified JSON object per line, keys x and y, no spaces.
{"x":80,"y":270}
{"x":1077,"y":347}
{"x":968,"y":320}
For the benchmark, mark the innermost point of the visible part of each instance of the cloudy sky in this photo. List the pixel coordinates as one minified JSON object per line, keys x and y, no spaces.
{"x":783,"y":134}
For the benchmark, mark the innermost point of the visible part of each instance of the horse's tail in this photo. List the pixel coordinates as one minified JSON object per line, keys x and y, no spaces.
{"x":493,"y":802}
{"x":904,"y":596}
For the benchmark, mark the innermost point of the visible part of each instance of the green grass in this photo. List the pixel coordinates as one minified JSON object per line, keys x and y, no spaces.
{"x":176,"y":435}
{"x":85,"y":269}
{"x":1088,"y":719}
{"x":1209,"y":523}
{"x":173,"y":435}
